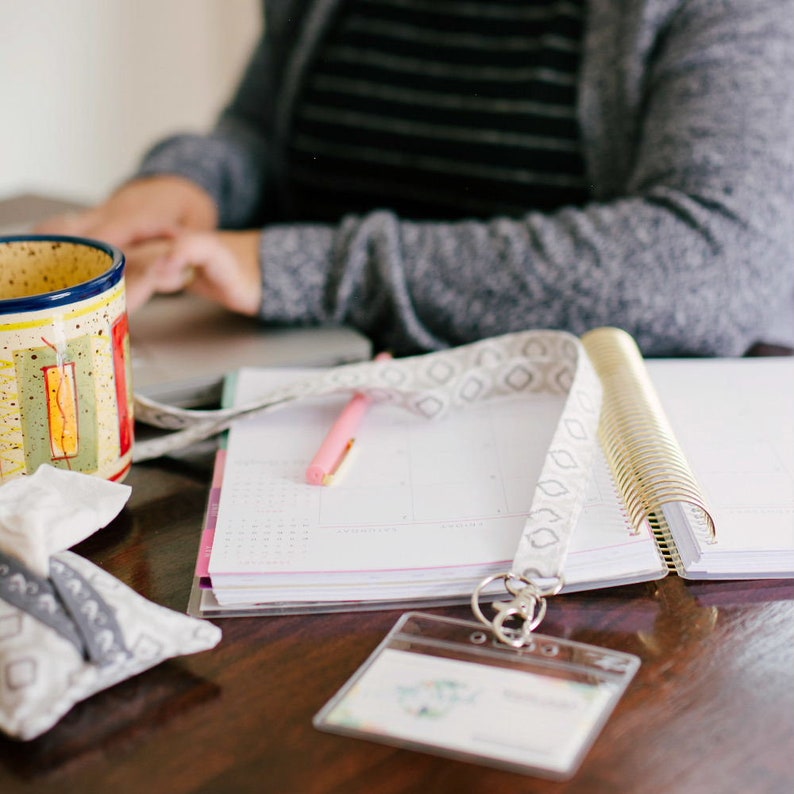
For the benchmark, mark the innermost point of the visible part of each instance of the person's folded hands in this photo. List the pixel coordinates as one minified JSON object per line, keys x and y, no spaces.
{"x":221,"y":266}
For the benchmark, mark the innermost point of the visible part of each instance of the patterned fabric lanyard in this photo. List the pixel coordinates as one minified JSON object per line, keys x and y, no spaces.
{"x":550,"y":362}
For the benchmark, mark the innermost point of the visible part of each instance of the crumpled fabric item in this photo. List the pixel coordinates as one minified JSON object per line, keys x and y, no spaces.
{"x":68,"y":629}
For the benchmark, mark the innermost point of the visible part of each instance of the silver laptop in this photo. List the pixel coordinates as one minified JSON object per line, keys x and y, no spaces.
{"x":183,"y":345}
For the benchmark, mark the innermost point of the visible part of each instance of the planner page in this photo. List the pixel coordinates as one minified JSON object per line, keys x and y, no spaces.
{"x":421,"y":507}
{"x":734,"y":419}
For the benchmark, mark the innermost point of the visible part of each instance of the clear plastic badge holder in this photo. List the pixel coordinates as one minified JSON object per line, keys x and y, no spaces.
{"x":448,"y":687}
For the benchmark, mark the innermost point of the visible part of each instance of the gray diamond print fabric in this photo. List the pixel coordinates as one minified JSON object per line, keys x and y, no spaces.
{"x":43,"y":674}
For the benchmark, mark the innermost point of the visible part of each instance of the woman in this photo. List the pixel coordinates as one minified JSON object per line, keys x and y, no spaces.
{"x":433,"y":172}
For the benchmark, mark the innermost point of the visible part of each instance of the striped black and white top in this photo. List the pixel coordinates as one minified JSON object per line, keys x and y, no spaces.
{"x":439,"y":109}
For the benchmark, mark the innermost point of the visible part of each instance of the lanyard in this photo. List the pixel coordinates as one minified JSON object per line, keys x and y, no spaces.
{"x":430,"y":385}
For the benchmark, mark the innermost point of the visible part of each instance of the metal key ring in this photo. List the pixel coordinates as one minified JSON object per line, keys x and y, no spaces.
{"x":528,"y":604}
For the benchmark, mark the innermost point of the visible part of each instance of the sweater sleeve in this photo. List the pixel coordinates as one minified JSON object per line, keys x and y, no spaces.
{"x":694,"y":256}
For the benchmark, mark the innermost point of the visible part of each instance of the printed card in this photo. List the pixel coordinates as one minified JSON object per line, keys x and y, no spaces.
{"x":447,"y":687}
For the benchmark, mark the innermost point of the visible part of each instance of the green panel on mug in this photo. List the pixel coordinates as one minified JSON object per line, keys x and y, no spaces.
{"x":58,"y":406}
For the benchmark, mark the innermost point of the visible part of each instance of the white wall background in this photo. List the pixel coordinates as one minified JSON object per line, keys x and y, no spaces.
{"x":87,"y":85}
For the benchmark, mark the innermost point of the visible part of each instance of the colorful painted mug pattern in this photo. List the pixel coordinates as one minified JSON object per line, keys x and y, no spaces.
{"x":65,"y":385}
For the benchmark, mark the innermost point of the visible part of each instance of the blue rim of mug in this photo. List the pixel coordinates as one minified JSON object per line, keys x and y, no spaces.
{"x":81,"y":291}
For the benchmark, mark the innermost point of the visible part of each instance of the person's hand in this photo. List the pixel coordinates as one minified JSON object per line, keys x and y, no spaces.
{"x":144,"y":209}
{"x":221,"y":266}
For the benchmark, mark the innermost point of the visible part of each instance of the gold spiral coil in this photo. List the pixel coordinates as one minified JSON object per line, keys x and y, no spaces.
{"x":647,"y":462}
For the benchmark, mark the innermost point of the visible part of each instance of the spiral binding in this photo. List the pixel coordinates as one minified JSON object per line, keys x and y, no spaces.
{"x":664,"y":542}
{"x":649,"y":467}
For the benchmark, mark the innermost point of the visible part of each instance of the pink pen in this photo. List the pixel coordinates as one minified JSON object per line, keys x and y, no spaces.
{"x":340,"y":439}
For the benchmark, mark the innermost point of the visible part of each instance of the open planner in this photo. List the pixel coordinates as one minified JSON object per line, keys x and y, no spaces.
{"x":695,"y":474}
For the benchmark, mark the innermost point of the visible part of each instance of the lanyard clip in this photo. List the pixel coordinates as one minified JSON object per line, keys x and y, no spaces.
{"x":528,"y":605}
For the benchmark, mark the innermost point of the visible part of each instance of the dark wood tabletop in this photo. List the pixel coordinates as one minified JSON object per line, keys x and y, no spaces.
{"x":710,"y":710}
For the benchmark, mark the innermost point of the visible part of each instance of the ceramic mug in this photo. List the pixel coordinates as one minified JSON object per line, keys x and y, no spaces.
{"x":65,"y":383}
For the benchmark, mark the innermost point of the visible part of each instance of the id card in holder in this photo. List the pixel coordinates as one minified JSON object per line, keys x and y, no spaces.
{"x":445,"y":686}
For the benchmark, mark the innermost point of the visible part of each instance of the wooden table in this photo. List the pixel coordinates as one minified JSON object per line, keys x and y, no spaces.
{"x":711,"y":709}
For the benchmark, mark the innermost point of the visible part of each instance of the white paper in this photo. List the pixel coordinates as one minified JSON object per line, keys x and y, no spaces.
{"x":734,"y":419}
{"x":423,"y":507}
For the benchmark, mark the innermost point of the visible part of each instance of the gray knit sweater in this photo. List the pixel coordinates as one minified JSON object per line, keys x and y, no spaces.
{"x":687,"y":118}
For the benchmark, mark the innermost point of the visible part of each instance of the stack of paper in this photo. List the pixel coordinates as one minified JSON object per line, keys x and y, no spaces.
{"x":423,"y":510}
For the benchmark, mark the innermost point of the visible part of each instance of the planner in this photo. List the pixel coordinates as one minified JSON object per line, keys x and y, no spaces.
{"x":694,"y":475}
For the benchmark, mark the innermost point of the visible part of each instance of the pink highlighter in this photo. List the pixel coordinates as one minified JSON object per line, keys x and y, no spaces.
{"x":340,"y":439}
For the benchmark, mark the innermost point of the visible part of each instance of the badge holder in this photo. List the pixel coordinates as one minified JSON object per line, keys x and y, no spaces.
{"x":450,"y":688}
